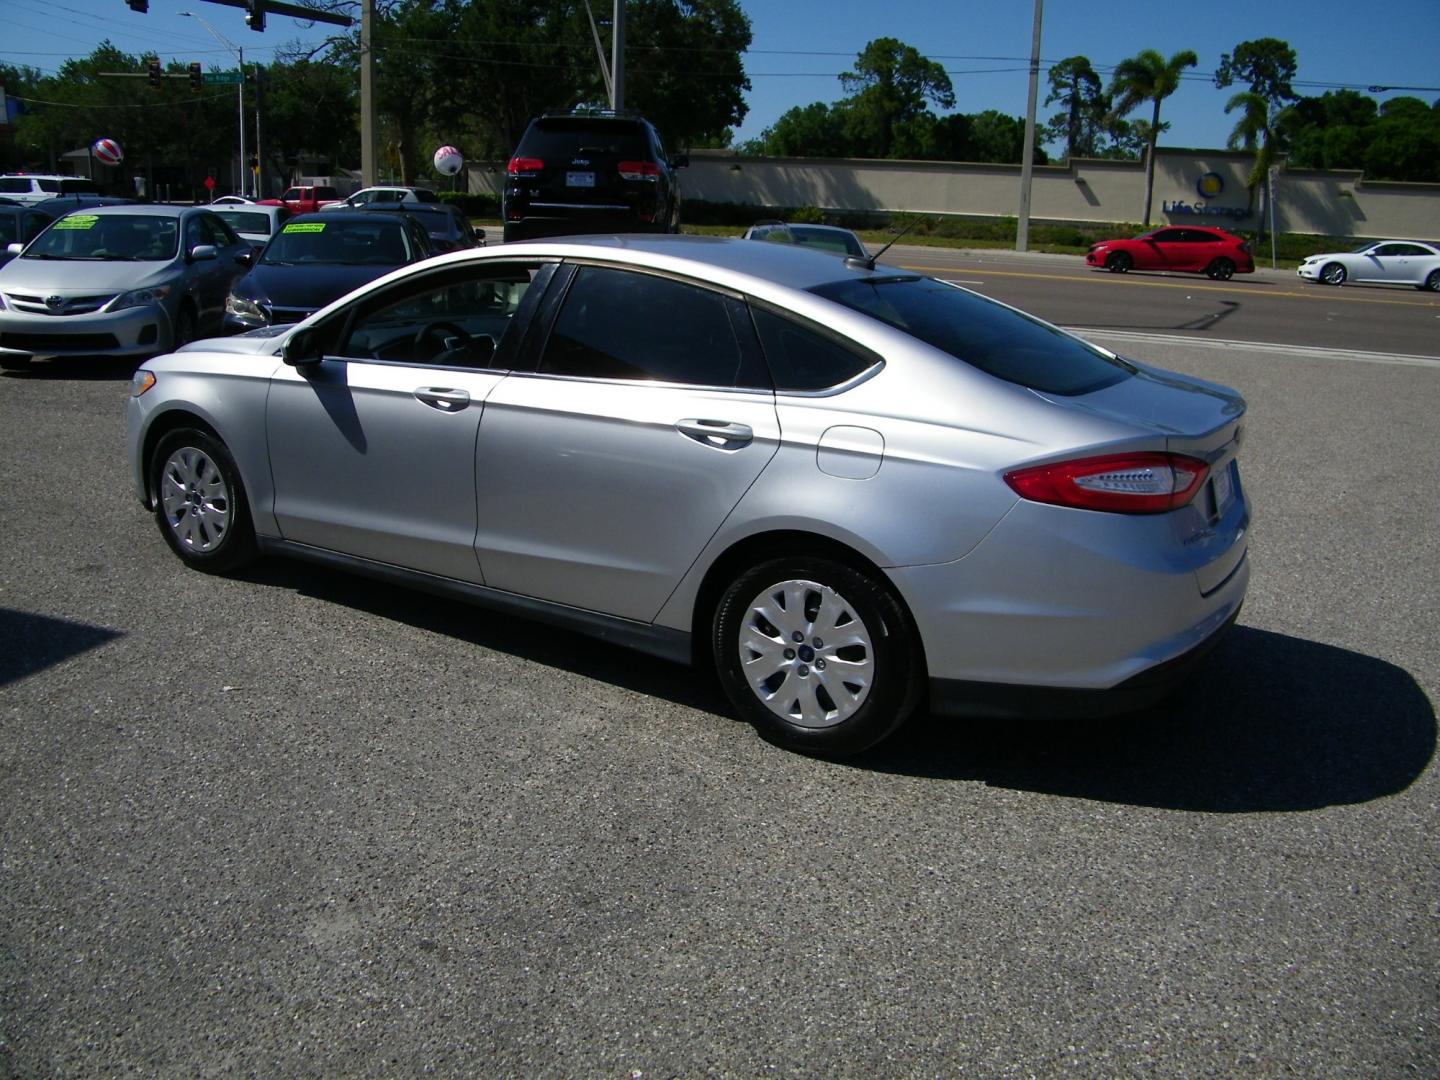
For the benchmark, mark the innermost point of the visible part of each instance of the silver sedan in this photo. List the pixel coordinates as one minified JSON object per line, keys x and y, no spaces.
{"x":854,"y":491}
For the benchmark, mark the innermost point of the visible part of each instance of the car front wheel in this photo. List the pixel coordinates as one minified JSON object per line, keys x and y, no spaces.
{"x":1119,"y":263}
{"x":1333,"y":274}
{"x":818,"y":656}
{"x":200,"y":504}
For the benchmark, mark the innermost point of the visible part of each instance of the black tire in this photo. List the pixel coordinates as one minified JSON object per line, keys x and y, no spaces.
{"x":1333,"y":274}
{"x":1220,"y":270}
{"x":1119,"y":262}
{"x":185,"y":327}
{"x":813,"y":707}
{"x":1432,"y":282}
{"x":15,"y":363}
{"x":200,"y":504}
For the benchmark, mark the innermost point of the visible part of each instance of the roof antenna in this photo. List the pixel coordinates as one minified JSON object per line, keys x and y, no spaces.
{"x":856,"y":262}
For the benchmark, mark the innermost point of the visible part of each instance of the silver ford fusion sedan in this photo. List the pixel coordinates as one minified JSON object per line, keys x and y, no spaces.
{"x":855,"y":491}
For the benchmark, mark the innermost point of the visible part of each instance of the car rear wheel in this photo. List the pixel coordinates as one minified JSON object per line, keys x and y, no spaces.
{"x":1333,"y":274}
{"x":200,"y":504}
{"x":1220,"y":269}
{"x":1433,"y":281}
{"x":1119,"y":263}
{"x":818,"y":656}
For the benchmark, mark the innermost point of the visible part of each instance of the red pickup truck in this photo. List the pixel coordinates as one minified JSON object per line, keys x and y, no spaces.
{"x":304,"y":200}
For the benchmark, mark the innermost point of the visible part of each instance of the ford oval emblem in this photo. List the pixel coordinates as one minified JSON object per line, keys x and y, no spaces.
{"x":54,"y":301}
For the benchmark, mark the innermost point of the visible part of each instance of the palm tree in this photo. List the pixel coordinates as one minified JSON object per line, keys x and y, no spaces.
{"x":1257,"y":130}
{"x":1148,"y":76}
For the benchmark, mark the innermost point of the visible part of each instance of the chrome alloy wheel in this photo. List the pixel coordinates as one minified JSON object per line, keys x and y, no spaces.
{"x":806,"y":654}
{"x":196,"y":499}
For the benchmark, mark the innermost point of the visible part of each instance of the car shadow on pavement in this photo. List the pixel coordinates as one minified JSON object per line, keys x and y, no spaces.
{"x":31,"y":643}
{"x":1269,"y":723}
{"x":73,"y":368}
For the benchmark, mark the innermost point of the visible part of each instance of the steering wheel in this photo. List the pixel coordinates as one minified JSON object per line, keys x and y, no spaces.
{"x":456,"y":340}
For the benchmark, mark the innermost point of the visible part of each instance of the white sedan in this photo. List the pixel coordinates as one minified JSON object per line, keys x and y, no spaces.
{"x":1385,"y":262}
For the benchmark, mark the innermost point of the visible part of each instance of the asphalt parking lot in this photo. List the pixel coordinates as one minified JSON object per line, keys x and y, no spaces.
{"x":300,"y":824}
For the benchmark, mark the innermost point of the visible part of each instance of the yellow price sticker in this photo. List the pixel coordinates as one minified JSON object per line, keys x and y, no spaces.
{"x":77,"y":221}
{"x":304,"y":227}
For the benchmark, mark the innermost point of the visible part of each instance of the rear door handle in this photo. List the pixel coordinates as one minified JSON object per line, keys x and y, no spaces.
{"x":443,"y":398}
{"x":717,"y":433}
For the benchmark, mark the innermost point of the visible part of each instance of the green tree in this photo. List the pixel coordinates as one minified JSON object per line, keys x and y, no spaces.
{"x":1084,"y":105}
{"x":1266,"y":65}
{"x":1257,"y":130}
{"x":296,"y":90}
{"x":1148,"y":76}
{"x":1405,"y":142}
{"x":889,"y":87}
{"x":1330,"y":131}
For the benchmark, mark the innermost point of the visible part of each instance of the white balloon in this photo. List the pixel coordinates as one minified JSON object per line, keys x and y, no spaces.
{"x":448,"y":160}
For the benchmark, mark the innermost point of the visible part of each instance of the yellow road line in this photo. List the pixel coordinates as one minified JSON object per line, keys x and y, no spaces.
{"x":1096,"y":278}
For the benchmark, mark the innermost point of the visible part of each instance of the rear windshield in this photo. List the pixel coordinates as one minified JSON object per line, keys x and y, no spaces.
{"x":996,"y":339}
{"x":559,"y":137}
{"x":245,"y":221}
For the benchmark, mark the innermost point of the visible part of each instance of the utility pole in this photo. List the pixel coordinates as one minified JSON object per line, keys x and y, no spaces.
{"x":369,"y":174}
{"x":1027,"y":159}
{"x":617,"y":57}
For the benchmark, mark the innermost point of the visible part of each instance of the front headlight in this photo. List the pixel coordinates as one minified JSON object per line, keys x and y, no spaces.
{"x":140,"y":297}
{"x":244,"y":309}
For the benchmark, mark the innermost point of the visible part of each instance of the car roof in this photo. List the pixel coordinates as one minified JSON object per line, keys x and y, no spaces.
{"x":141,"y":209}
{"x":725,"y":260}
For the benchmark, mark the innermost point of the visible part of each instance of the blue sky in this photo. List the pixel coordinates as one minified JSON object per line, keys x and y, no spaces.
{"x":800,"y":46}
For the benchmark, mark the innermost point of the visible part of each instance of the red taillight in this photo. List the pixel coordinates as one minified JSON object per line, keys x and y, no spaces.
{"x":1143,"y":483}
{"x":637,"y":170}
{"x":524,"y":165}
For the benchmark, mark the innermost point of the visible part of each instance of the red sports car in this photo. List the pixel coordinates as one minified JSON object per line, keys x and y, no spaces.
{"x":1213,"y":252}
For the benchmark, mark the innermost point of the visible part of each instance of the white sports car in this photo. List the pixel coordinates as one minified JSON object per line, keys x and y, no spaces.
{"x":1385,"y":262}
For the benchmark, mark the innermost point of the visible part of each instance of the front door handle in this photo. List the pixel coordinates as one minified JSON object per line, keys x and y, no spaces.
{"x":443,"y":398}
{"x":717,"y":433}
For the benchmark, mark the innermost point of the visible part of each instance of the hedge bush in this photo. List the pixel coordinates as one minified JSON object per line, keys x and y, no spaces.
{"x":474,"y":206}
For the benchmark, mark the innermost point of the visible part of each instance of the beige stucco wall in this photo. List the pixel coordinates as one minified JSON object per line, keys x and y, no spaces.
{"x":1307,"y":201}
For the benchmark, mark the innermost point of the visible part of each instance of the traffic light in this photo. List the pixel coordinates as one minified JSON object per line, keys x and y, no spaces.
{"x":255,"y":14}
{"x":197,"y":77}
{"x":142,"y":6}
{"x":152,"y":68}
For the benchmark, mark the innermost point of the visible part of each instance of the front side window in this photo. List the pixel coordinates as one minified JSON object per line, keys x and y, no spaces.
{"x":984,"y":334}
{"x":457,"y":318}
{"x":616,"y":324}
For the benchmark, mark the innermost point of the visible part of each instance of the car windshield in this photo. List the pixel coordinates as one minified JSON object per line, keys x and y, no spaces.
{"x":380,"y":242}
{"x":108,"y":238}
{"x":245,"y":221}
{"x":996,"y":339}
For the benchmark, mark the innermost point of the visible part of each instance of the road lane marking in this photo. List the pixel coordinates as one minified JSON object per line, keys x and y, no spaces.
{"x":1309,"y":351}
{"x":1096,"y":278}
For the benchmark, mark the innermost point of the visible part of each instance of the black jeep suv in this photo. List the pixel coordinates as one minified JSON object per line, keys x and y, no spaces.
{"x":590,"y":173}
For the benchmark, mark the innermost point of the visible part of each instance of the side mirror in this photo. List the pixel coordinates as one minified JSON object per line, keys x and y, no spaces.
{"x":302,"y":348}
{"x":202,"y":252}
{"x":680,"y":161}
{"x":15,"y":249}
{"x":246,"y":257}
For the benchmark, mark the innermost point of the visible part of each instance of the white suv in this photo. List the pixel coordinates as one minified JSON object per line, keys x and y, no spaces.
{"x":32,"y":188}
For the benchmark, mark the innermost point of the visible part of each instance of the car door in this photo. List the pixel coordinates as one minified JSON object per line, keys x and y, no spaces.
{"x":1171,"y":250}
{"x":1403,"y":263}
{"x":605,"y":469}
{"x":372,"y":449}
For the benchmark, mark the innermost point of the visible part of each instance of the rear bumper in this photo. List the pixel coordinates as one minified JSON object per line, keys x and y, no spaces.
{"x":959,"y":697}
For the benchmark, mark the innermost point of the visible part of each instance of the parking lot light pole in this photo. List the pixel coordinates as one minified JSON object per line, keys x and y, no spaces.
{"x":239,"y":55}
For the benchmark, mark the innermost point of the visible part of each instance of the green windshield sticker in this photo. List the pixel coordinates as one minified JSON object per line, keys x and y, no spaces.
{"x":305,"y":226}
{"x":77,"y":221}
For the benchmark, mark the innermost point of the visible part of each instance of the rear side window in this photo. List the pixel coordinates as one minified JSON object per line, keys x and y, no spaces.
{"x":614,"y":324}
{"x":14,"y":185}
{"x":802,"y":359}
{"x":422,"y":195}
{"x":996,"y":339}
